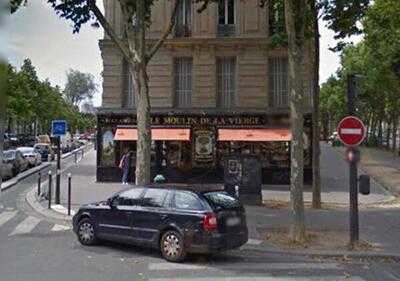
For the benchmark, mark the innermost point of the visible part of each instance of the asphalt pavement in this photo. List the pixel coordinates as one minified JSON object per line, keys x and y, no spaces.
{"x":38,"y":248}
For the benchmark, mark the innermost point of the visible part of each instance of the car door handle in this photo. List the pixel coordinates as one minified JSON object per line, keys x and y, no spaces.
{"x":164,"y":216}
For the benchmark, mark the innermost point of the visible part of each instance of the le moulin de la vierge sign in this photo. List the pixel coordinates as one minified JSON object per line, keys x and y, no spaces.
{"x":190,"y":120}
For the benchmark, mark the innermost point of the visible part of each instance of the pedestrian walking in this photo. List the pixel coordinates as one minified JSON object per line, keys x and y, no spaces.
{"x":125,"y":164}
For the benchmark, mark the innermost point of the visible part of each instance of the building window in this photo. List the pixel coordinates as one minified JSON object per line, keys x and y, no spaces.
{"x":183,"y":81}
{"x":226,"y":18}
{"x":226,"y":72}
{"x":128,"y":99}
{"x":183,"y":26}
{"x":276,"y":17}
{"x":278,"y":81}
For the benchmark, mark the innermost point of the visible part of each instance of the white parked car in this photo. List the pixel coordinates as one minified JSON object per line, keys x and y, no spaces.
{"x":32,"y":155}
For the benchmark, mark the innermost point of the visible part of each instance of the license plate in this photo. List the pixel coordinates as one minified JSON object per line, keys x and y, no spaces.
{"x":232,"y":221}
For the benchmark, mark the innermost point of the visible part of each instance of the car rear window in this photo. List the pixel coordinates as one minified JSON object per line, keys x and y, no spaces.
{"x":222,"y":200}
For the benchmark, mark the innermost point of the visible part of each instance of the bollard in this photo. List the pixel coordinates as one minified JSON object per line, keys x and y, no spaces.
{"x":69,"y":194}
{"x":76,"y":156}
{"x":49,"y":191}
{"x":58,"y":183}
{"x":39,"y":183}
{"x":83,"y":152}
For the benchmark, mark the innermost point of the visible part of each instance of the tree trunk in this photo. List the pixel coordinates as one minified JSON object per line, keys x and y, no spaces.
{"x":388,"y":128}
{"x":380,"y":132}
{"x":295,"y":15}
{"x":394,"y":133}
{"x":3,"y":119}
{"x":143,"y":153}
{"x":143,"y":148}
{"x":316,"y":187}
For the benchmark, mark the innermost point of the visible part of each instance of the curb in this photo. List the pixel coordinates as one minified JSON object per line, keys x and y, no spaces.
{"x":326,"y":254}
{"x":10,"y":183}
{"x":33,"y":202}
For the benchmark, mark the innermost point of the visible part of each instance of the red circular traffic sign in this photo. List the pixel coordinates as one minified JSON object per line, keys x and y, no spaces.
{"x":351,"y":131}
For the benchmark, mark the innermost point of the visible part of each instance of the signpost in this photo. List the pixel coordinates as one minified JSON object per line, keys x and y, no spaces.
{"x":351,"y":132}
{"x":58,"y":129}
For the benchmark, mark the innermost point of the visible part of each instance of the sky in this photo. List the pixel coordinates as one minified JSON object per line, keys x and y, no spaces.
{"x":36,"y":32}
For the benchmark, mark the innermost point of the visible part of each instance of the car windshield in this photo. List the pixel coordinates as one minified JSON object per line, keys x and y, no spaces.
{"x":9,"y":154}
{"x":221,"y":200}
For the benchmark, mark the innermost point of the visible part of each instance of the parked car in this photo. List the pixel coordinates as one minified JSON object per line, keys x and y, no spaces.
{"x":176,"y":220}
{"x":19,"y":162}
{"x":7,"y":170}
{"x":45,"y":150}
{"x":32,"y":155}
{"x":11,"y":139}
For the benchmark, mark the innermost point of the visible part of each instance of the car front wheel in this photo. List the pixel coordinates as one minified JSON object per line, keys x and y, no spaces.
{"x":172,"y":246}
{"x":86,"y":232}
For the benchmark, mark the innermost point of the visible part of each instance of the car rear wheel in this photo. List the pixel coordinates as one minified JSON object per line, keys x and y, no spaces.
{"x":172,"y":246}
{"x":86,"y":232}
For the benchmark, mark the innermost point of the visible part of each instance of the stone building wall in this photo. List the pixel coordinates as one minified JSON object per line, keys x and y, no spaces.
{"x":249,"y":46}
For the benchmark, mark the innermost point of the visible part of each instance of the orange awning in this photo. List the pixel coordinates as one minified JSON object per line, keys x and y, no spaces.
{"x":254,"y":135}
{"x":167,"y":134}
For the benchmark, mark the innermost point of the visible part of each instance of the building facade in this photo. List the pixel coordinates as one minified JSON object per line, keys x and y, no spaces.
{"x":217,"y":86}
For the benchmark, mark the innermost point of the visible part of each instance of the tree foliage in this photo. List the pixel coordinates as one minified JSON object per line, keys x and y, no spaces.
{"x":79,"y":87}
{"x":375,"y":61}
{"x":31,"y":100}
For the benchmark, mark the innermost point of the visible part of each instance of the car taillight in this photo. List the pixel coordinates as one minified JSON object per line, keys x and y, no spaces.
{"x":210,"y":222}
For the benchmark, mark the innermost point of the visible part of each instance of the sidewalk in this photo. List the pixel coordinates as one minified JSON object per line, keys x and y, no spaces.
{"x":334,"y":182}
{"x":380,"y":227}
{"x":382,"y":165}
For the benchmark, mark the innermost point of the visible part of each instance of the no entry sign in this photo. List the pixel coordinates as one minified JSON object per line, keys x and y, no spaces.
{"x":351,"y":131}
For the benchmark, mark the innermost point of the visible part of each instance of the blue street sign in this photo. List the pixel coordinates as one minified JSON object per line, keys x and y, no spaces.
{"x":58,"y":128}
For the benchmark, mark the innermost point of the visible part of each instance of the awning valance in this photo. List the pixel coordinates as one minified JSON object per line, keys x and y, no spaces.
{"x":254,"y":135}
{"x":167,"y":134}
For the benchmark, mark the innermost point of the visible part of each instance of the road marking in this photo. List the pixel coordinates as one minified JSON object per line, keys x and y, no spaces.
{"x":60,"y":227}
{"x":62,"y":209}
{"x":254,"y":242}
{"x":26,"y":226}
{"x":349,"y":131}
{"x":256,"y":265}
{"x":265,"y":278}
{"x":6,"y":216}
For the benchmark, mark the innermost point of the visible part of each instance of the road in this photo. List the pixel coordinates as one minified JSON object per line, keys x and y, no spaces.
{"x":36,"y":248}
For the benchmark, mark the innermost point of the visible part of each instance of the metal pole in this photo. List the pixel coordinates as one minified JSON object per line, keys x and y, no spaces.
{"x":76,"y":157}
{"x":69,"y":194}
{"x":58,"y":178}
{"x":49,"y":191}
{"x":353,"y":171}
{"x":39,"y":183}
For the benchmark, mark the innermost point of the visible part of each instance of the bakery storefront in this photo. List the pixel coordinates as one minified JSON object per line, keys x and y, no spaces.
{"x":191,"y":147}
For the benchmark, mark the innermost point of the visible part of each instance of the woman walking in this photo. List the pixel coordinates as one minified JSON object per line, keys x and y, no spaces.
{"x":125,"y":164}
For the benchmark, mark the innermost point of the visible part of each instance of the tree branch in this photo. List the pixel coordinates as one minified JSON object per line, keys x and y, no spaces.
{"x":167,"y":31}
{"x":128,"y":53}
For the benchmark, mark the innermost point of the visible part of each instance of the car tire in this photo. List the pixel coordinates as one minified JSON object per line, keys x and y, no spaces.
{"x":172,"y":246}
{"x":86,"y":232}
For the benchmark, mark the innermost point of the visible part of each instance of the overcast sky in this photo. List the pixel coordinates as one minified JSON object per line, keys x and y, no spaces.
{"x":35,"y":32}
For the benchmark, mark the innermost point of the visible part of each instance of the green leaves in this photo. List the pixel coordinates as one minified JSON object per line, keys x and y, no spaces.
{"x":30,"y":100}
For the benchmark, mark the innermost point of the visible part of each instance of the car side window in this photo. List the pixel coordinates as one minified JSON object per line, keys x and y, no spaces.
{"x":184,"y":200}
{"x":130,"y":197}
{"x":154,"y":197}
